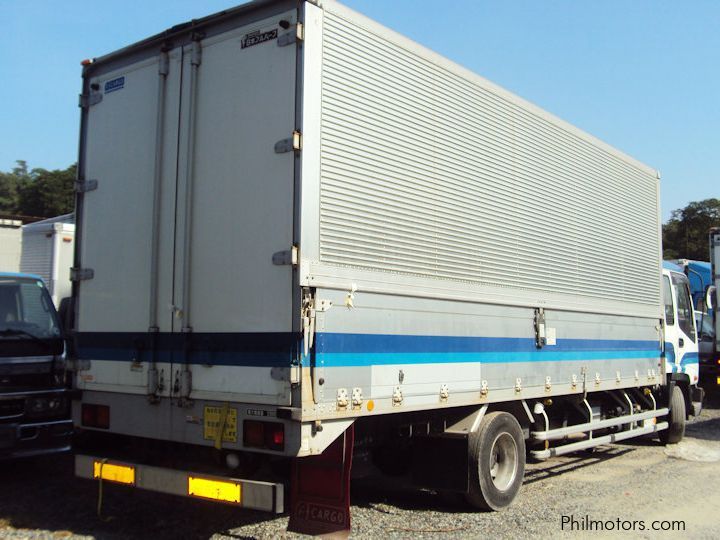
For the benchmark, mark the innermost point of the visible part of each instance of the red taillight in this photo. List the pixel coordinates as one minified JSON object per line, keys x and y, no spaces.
{"x":279,"y":436}
{"x":96,"y":416}
{"x":268,"y":435}
{"x":253,"y":434}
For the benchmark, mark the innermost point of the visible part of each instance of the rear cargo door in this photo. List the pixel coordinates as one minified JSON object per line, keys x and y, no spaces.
{"x":715,"y":273}
{"x":234,"y":211}
{"x":115,"y":220}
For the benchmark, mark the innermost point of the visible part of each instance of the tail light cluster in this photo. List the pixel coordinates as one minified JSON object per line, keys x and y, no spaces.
{"x":256,"y":434}
{"x":266,"y":435}
{"x":95,"y":416}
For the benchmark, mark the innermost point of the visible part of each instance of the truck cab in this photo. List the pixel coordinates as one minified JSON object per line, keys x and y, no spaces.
{"x":681,"y":337}
{"x":34,"y":402}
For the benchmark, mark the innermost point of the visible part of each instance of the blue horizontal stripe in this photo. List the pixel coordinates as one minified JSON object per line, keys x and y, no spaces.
{"x":268,"y":350}
{"x":261,"y":349}
{"x":370,"y":343}
{"x":371,"y":349}
{"x":375,"y":359}
{"x":690,"y":358}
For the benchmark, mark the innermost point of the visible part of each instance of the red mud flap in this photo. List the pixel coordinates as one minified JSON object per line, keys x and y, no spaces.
{"x":320,"y":489}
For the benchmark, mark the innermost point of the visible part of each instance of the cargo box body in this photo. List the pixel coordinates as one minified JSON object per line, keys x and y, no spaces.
{"x":329,"y":221}
{"x":47,"y":251}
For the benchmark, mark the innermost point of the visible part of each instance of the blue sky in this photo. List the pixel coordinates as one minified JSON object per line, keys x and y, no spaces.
{"x":642,"y":75}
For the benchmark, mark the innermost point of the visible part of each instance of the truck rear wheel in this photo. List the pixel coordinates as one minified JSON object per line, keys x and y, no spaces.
{"x":496,"y":461}
{"x":676,"y":418}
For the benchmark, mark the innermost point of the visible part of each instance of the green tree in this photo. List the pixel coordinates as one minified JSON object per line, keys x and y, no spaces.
{"x":38,"y":192}
{"x":48,"y":193}
{"x":8,"y":193}
{"x":11,"y":183}
{"x":685,"y":235}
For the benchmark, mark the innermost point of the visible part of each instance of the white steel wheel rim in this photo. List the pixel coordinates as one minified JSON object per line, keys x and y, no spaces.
{"x":503,"y":461}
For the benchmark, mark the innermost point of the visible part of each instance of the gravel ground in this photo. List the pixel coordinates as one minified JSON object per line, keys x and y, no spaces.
{"x":640,"y":480}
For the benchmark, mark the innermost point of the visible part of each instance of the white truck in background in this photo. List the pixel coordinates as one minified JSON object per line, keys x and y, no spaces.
{"x":713,"y":296}
{"x":10,"y":244}
{"x":682,"y":365}
{"x":47,"y":251}
{"x":340,"y":239}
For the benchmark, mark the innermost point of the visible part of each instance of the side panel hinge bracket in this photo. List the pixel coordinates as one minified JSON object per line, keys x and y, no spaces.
{"x":83,"y":186}
{"x":81,"y":274}
{"x":293,"y":36}
{"x":88,"y":100}
{"x":287,"y":257}
{"x":290,"y":144}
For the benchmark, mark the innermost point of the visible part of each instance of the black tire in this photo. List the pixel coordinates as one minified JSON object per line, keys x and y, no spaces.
{"x":676,"y":418}
{"x":496,"y":462}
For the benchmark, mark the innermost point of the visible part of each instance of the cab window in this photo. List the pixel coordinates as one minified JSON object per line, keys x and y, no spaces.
{"x":686,"y":321}
{"x":667,"y":297}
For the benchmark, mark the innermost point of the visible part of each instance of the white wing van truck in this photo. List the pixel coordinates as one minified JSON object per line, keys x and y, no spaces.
{"x":47,"y":251}
{"x":343,"y":241}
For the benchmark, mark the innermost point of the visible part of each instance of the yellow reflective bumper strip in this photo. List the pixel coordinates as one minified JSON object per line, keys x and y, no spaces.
{"x":121,"y":474}
{"x":214,"y":489}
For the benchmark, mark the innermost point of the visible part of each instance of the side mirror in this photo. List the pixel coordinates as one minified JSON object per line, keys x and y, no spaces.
{"x":710,"y":297}
{"x":66,"y":312}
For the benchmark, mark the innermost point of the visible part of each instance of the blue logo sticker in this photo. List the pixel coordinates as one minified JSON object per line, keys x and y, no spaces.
{"x":115,"y":84}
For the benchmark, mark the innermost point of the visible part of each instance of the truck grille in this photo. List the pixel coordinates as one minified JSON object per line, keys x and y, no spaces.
{"x":10,"y":408}
{"x":25,"y":380}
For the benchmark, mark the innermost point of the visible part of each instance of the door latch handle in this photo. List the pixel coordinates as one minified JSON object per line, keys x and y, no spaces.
{"x":681,"y":342}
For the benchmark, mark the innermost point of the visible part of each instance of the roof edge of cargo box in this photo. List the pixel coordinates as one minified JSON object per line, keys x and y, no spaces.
{"x":182,"y":33}
{"x":444,"y":62}
{"x":223,"y":20}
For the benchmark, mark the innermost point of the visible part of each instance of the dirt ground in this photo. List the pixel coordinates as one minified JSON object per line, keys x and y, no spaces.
{"x":639,"y":483}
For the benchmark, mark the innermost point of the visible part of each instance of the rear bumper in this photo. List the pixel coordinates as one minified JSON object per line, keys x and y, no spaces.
{"x":21,"y":440}
{"x":252,"y":494}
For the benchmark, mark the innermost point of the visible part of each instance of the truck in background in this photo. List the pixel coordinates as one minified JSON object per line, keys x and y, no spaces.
{"x":383,"y":269}
{"x":47,"y":251}
{"x":712,"y":298}
{"x":10,"y":244}
{"x":699,"y":274}
{"x":681,"y":337}
{"x":34,"y":399}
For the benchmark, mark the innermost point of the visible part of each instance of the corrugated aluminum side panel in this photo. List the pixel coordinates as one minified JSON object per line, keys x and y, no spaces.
{"x":37,"y":254}
{"x":432,"y":174}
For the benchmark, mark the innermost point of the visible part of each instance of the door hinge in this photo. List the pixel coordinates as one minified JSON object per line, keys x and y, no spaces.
{"x":83,"y":186}
{"x":295,"y":35}
{"x":81,"y":274}
{"x":88,"y":100}
{"x":290,"y":144}
{"x":310,"y":307}
{"x":287,"y":257}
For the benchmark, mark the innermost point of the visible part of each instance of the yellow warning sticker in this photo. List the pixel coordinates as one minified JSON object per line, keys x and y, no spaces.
{"x":213,"y":419}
